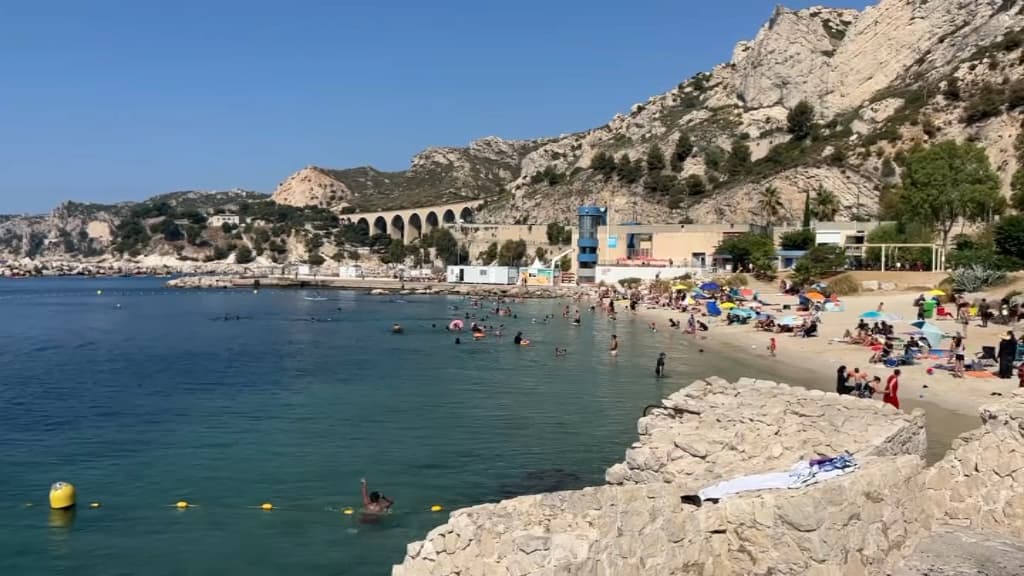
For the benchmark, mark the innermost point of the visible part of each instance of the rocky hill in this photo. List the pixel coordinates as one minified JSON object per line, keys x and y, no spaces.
{"x":879,"y":81}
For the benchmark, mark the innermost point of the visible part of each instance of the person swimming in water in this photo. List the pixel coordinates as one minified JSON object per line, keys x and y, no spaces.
{"x":561,"y":351}
{"x":374,"y":503}
{"x":518,"y":339}
{"x":613,"y":349}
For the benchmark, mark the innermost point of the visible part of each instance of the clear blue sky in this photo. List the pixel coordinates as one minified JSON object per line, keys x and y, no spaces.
{"x":107,"y":100}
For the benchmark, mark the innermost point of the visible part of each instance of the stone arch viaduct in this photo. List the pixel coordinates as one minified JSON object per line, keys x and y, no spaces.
{"x":412,"y":223}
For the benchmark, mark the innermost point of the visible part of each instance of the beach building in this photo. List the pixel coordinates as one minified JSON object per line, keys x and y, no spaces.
{"x":540,"y":275}
{"x":465,"y":274}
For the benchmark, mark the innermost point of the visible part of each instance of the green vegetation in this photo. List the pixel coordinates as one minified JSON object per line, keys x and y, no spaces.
{"x":604,"y":164}
{"x":288,"y":218}
{"x":488,"y":255}
{"x":352,"y":234}
{"x":800,"y":121}
{"x":770,"y":204}
{"x":817,"y":263}
{"x":565,"y":263}
{"x":945,"y":183}
{"x":806,"y":218}
{"x":1008,"y":237}
{"x":900,"y":233}
{"x":445,"y":246}
{"x":243,"y":254}
{"x":130,"y":237}
{"x":844,"y":285}
{"x":748,"y":249}
{"x":800,"y":239}
{"x":655,"y":159}
{"x":683,"y":149}
{"x":694,"y":185}
{"x":551,"y":175}
{"x":558,"y":235}
{"x":986,"y":103}
{"x":628,"y":170}
{"x":739,"y":158}
{"x":826,"y":205}
{"x":512,"y":253}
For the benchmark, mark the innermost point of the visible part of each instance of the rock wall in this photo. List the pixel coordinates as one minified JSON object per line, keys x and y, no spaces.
{"x":729,"y":429}
{"x":980,"y":483}
{"x":857,"y":524}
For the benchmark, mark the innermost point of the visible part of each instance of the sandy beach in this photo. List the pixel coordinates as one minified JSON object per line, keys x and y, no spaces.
{"x":952,"y":403}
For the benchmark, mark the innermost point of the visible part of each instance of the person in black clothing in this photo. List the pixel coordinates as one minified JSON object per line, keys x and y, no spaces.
{"x":1007,"y":354}
{"x":659,"y":366}
{"x":842,"y":381}
{"x":518,"y":339}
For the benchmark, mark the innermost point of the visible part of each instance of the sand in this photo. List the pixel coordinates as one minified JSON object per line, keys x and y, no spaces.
{"x":823,"y":355}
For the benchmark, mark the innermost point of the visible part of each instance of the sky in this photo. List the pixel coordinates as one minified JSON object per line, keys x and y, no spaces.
{"x":112,"y":100}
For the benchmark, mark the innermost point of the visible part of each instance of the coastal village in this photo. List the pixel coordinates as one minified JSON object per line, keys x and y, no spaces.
{"x":847,"y":209}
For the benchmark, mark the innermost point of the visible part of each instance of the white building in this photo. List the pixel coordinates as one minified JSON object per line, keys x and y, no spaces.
{"x":220,"y":219}
{"x":504,"y":275}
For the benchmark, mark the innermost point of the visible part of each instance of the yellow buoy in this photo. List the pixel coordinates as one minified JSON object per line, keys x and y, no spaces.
{"x":62,"y":496}
{"x":436,"y":508}
{"x":267,"y":506}
{"x":347,"y":511}
{"x":94,"y":504}
{"x":181,"y":505}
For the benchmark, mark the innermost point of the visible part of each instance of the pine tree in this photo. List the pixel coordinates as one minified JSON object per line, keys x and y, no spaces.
{"x":683,"y":150}
{"x":655,"y":159}
{"x":807,"y":210}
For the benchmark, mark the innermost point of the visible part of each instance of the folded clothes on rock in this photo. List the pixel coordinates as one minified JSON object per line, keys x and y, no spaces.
{"x":802,"y":474}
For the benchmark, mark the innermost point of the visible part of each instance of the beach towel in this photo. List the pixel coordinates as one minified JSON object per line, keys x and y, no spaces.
{"x":980,"y":374}
{"x":804,"y":473}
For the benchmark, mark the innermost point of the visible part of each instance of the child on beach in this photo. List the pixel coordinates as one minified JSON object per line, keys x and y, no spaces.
{"x":771,"y":346}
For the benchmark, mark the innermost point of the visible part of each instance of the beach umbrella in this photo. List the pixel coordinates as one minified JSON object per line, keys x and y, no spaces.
{"x":680,"y":287}
{"x":816,"y":296}
{"x":873,"y":315}
{"x":936,"y":292}
{"x":789,"y":321}
{"x":931,"y":332}
{"x":727,"y":306}
{"x":710,"y":287}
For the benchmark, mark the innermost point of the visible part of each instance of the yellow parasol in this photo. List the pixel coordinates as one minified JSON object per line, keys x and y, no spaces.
{"x":727,"y":306}
{"x":936,"y":292}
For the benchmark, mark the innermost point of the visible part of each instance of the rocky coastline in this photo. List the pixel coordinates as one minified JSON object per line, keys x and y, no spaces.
{"x":29,"y":268}
{"x":892,"y":515}
{"x":374,"y":287}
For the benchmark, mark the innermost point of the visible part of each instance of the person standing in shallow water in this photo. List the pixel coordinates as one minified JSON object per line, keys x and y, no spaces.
{"x":374,"y":503}
{"x":613,"y":349}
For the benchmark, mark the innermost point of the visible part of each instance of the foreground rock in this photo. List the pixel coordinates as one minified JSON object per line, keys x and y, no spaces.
{"x":965,"y":515}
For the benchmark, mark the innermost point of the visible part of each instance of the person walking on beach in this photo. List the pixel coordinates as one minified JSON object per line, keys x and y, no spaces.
{"x":892,"y":390}
{"x":613,"y":349}
{"x":772,"y":345}
{"x":1007,"y":354}
{"x":959,"y":353}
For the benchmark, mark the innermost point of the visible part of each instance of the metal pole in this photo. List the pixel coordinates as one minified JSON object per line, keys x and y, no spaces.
{"x":883,"y":257}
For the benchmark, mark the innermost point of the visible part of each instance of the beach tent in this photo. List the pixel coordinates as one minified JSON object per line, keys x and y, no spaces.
{"x":710,"y":287}
{"x":789,"y":321}
{"x":713,"y":309}
{"x":744,"y":312}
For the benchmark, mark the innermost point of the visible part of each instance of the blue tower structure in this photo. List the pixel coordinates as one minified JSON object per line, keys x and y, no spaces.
{"x":590,"y":219}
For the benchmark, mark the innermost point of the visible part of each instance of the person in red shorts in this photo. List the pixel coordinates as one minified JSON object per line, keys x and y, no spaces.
{"x":892,"y":389}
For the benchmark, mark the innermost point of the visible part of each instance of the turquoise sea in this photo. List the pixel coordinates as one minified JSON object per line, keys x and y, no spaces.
{"x":143,"y":396}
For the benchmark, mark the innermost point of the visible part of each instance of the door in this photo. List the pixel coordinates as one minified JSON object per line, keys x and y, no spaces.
{"x":462,"y":274}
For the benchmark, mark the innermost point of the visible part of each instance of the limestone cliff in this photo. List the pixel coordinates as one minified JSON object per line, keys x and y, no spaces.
{"x":880,"y":80}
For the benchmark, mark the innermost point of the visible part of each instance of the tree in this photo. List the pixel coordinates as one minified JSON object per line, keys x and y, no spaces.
{"x":800,"y":121}
{"x":541,"y":254}
{"x":558,"y":234}
{"x":655,"y":159}
{"x":750,"y":248}
{"x":818,"y":261}
{"x":604,"y":164}
{"x":770,"y":204}
{"x":395,"y":254}
{"x":1017,"y":187}
{"x":826,"y":205}
{"x":171,"y":231}
{"x":806,"y":220}
{"x":682,"y":151}
{"x":565,"y":263}
{"x":800,"y":239}
{"x":512,"y":253}
{"x":739,"y":158}
{"x":946,"y":182}
{"x":315,"y":259}
{"x":694,"y":185}
{"x":627,"y":170}
{"x":445,"y":246}
{"x":486,"y":257}
{"x":1008,"y":236}
{"x":243,"y":254}
{"x":659,"y":183}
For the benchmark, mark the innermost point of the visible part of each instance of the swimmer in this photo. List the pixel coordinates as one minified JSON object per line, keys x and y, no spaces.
{"x":654,"y":327}
{"x":458,"y":340}
{"x":561,"y":351}
{"x":375,"y":503}
{"x":396,"y":328}
{"x":659,"y":365}
{"x":518,"y":339}
{"x":613,"y":349}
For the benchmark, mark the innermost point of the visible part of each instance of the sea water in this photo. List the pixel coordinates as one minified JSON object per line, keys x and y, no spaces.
{"x":143,"y":396}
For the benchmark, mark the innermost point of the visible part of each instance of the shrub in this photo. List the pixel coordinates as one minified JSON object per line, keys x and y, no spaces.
{"x":243,"y":254}
{"x":802,"y":239}
{"x":1008,"y":236}
{"x":736,"y":280}
{"x":987,"y":103}
{"x":627,"y":170}
{"x":604,"y":164}
{"x":682,"y":151}
{"x":974,"y":278}
{"x":951,"y":90}
{"x":631,"y":282}
{"x":694,"y":185}
{"x":819,"y":261}
{"x":844,"y":285}
{"x":655,"y":159}
{"x":1015,"y":95}
{"x":739,"y":158}
{"x":315,"y":259}
{"x":800,"y":121}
